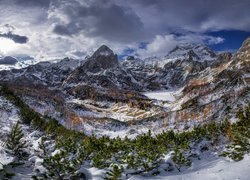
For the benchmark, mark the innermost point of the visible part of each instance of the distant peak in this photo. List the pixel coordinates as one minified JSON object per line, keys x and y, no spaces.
{"x":199,"y":51}
{"x":130,"y":58}
{"x":104,"y":47}
{"x":103,"y":50}
{"x":8,"y":60}
{"x":103,"y":58}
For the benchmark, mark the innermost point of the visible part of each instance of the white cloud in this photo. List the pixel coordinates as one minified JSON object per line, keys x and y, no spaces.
{"x":160,"y":46}
{"x":199,"y":39}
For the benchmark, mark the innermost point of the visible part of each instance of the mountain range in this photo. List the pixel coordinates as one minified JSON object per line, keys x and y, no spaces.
{"x":106,"y":96}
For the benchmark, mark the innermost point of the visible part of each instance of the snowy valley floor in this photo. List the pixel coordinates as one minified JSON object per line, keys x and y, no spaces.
{"x":207,"y":169}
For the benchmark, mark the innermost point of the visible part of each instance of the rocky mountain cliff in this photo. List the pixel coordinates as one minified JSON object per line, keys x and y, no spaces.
{"x":192,"y":51}
{"x":102,"y":69}
{"x":174,"y":70}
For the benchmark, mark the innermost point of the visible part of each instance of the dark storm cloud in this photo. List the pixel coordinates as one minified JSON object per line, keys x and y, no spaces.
{"x":63,"y":30}
{"x":34,"y":3}
{"x":100,"y":19}
{"x":31,"y":12}
{"x":135,"y":20}
{"x":15,"y":37}
{"x":194,"y":15}
{"x":83,"y":25}
{"x":40,"y":3}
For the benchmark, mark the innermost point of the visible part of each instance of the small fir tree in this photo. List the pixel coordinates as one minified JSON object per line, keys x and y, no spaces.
{"x":179,"y":159}
{"x":64,"y":164}
{"x":115,"y":173}
{"x":15,"y":142}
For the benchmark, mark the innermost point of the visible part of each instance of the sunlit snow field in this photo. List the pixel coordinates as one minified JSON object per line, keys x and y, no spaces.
{"x":168,"y":95}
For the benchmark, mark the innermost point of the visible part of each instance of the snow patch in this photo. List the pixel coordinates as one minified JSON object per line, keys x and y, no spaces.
{"x":169,"y":95}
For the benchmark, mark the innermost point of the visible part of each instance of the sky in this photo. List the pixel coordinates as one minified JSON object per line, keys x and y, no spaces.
{"x":48,"y":29}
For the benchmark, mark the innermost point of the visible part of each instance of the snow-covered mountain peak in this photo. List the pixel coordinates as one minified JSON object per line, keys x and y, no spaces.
{"x":132,"y":59}
{"x":132,"y":62}
{"x":67,"y":63}
{"x":241,"y":59}
{"x":103,"y":51}
{"x":197,"y":52}
{"x":103,"y":58}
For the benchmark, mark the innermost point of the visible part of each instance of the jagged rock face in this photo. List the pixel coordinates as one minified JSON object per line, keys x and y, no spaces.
{"x":103,"y":58}
{"x":242,"y":57}
{"x":221,"y":59}
{"x":174,"y":70}
{"x":218,"y":74}
{"x":102,"y":70}
{"x":176,"y":73}
{"x":237,"y":70}
{"x":241,"y":62}
{"x":114,"y":78}
{"x":192,"y":51}
{"x":244,"y":51}
{"x":222,"y":89}
{"x":8,"y":60}
{"x":192,"y":56}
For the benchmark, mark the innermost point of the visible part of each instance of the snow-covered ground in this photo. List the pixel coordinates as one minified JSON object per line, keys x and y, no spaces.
{"x":168,"y":95}
{"x":161,"y":95}
{"x":4,"y":157}
{"x":207,"y":169}
{"x":9,"y":115}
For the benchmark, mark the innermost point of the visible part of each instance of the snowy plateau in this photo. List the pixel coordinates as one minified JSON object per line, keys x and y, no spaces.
{"x":182,"y":116}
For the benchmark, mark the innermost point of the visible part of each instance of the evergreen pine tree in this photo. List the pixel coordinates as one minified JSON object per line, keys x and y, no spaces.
{"x":64,"y":164}
{"x":179,"y":159}
{"x":115,"y":173}
{"x":15,"y":142}
{"x":43,"y":147}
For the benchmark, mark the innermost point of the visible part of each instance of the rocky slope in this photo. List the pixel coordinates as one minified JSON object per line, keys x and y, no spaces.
{"x":102,"y":69}
{"x":218,"y":92}
{"x":175,"y":69}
